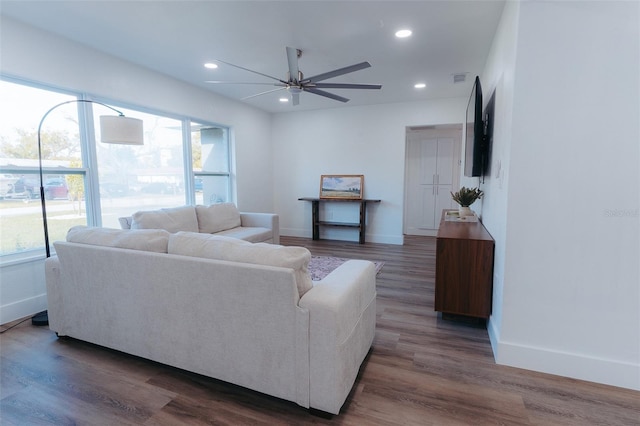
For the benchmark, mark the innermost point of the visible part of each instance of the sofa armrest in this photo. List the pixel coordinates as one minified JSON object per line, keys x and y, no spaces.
{"x":262,"y":220}
{"x":54,"y":297}
{"x":125,"y":222}
{"x":342,"y":317}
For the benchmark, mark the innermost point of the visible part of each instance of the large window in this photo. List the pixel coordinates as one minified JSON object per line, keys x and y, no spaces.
{"x":210,"y":158}
{"x":146,"y":177}
{"x":87,"y":182}
{"x":21,"y":225}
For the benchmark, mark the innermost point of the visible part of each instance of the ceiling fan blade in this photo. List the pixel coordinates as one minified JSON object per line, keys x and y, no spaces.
{"x":325,"y":94}
{"x":295,"y":98}
{"x":346,"y":86}
{"x":292,"y":59}
{"x":243,"y":82}
{"x":336,"y":73}
{"x":262,"y":93}
{"x":247,"y":69}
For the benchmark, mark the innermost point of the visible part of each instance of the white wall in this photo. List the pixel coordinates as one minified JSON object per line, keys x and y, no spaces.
{"x":498,"y":77}
{"x":33,"y":55}
{"x":567,"y":293}
{"x":350,"y":140}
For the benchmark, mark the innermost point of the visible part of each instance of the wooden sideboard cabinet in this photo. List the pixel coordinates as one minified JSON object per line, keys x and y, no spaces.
{"x":464,"y":269}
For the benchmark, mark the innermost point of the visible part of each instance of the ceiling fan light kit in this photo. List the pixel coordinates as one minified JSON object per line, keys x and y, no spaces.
{"x":296,"y":83}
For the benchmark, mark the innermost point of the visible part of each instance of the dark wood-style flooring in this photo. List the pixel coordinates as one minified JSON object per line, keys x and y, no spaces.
{"x":422,"y":370}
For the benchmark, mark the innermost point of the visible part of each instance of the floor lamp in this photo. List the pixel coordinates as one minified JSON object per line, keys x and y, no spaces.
{"x":114,"y":129}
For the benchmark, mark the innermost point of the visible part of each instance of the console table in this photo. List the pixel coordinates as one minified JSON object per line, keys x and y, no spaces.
{"x":316,"y":223}
{"x":464,"y":269}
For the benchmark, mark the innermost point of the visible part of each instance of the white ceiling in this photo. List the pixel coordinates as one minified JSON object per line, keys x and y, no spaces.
{"x":177,"y":37}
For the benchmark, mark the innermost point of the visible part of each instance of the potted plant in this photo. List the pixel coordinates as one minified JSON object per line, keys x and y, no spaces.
{"x":465,"y":197}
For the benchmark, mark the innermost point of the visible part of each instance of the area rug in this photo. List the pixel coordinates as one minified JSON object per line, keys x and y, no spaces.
{"x":321,"y":266}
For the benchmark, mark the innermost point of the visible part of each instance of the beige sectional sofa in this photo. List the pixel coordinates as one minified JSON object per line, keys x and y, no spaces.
{"x":240,"y":312}
{"x":220,"y":219}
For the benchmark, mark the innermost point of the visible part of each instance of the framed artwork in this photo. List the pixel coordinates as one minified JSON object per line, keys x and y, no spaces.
{"x":346,"y":187}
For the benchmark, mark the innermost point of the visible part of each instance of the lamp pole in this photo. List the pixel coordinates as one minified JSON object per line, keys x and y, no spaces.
{"x":42,"y":318}
{"x":42,"y":197}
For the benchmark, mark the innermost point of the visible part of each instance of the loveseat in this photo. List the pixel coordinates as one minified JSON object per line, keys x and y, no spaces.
{"x":220,"y":219}
{"x":236,"y":311}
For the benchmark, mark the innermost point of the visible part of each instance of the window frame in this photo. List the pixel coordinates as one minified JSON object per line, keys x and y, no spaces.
{"x":203,"y":173}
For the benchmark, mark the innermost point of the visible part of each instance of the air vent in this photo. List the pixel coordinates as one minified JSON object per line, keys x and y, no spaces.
{"x":459,"y":78}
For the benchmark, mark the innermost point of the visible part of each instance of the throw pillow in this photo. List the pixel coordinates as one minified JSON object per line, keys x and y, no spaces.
{"x":235,"y":250}
{"x":170,"y":219}
{"x":155,"y":240}
{"x":217,"y":217}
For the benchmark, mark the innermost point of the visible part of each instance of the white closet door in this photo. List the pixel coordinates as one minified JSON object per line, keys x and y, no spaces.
{"x":431,"y":172}
{"x":421,"y":178}
{"x":428,"y":154}
{"x":444,"y":161}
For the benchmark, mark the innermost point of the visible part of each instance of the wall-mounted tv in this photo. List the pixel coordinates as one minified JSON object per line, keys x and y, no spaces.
{"x":474,"y":160}
{"x":489,"y":112}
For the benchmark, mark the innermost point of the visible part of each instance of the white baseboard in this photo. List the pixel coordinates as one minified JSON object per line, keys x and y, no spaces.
{"x":23,"y":308}
{"x":576,"y":366}
{"x":422,"y":232}
{"x":295,"y":232}
{"x":493,"y":335}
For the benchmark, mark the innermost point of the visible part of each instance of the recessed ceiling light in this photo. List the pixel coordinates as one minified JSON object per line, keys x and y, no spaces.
{"x":284,"y":100}
{"x":403,"y":33}
{"x":211,"y":65}
{"x":420,"y":85}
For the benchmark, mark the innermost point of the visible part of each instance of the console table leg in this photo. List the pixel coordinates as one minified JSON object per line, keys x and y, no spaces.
{"x":363,"y":221}
{"x":315,"y":211}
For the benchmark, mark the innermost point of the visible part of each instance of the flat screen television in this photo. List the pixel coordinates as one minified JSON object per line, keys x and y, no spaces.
{"x":474,"y":134}
{"x":489,"y":112}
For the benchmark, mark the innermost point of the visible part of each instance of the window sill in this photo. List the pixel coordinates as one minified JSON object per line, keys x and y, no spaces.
{"x":20,"y":258}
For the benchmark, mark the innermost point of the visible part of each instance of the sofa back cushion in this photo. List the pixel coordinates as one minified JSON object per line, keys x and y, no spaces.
{"x":235,"y":250}
{"x":217,"y":217}
{"x":155,"y":240}
{"x":170,"y":219}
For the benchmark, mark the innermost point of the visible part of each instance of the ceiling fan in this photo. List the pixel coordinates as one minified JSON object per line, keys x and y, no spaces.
{"x":296,"y":83}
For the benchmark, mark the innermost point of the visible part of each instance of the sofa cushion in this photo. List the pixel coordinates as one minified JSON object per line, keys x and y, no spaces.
{"x":155,"y":240}
{"x":234,"y":250}
{"x":170,"y":219}
{"x":217,"y":217}
{"x":251,"y":234}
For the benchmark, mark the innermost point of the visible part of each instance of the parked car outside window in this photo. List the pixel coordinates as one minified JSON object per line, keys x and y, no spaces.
{"x":55,"y":188}
{"x":158,"y":188}
{"x":114,"y":190}
{"x":29,"y":188}
{"x":6,"y":182}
